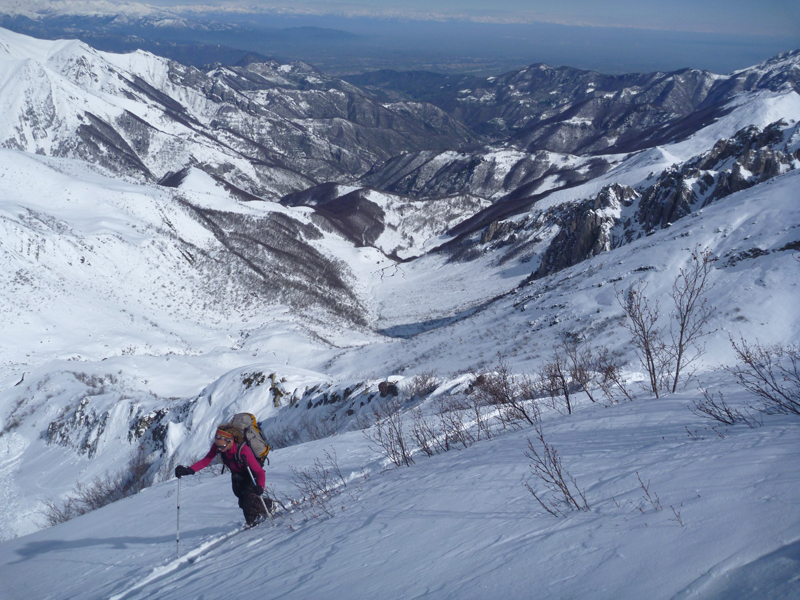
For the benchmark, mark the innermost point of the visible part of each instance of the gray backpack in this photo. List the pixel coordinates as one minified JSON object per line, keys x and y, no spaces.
{"x":253,"y":437}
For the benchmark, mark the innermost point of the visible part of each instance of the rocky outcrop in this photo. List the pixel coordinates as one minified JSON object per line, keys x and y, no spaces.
{"x":751,"y":157}
{"x":586,"y":229}
{"x":596,"y":225}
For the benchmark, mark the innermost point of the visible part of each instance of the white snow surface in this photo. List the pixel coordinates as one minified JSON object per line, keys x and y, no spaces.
{"x":101,"y":324}
{"x":461,"y":525}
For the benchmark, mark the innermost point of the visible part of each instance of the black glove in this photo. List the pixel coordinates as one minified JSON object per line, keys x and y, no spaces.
{"x":180,"y":471}
{"x":259,"y":490}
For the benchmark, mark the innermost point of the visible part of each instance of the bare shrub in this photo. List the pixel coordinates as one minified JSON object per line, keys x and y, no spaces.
{"x":449,"y":427}
{"x":510,"y":396}
{"x":558,"y":381}
{"x":771,"y":373}
{"x":581,"y":362}
{"x":454,"y":430}
{"x":667,"y":362}
{"x":101,"y":491}
{"x":422,"y":384}
{"x":363,"y":421}
{"x":610,"y":381}
{"x":547,"y":467}
{"x":647,"y":335}
{"x":283,"y":436}
{"x":692,"y":314}
{"x":649,"y":496}
{"x":317,"y":427}
{"x":423,"y":432}
{"x":718,"y":410}
{"x":481,"y":414}
{"x":318,"y":484}
{"x":387,"y":434}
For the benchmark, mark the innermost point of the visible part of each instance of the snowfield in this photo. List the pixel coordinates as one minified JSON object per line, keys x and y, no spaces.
{"x":462,"y":525}
{"x":132,"y":323}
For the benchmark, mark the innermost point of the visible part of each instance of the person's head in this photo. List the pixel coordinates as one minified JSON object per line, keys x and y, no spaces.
{"x":225,"y":436}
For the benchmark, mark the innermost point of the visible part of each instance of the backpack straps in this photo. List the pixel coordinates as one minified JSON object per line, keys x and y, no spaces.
{"x":237,"y":458}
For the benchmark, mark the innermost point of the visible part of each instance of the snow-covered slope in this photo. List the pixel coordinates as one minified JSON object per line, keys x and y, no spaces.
{"x":136,"y":317}
{"x":722,"y":522}
{"x":267,"y":129}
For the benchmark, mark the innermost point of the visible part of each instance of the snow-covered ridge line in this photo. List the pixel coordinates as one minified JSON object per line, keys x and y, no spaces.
{"x":134,"y":314}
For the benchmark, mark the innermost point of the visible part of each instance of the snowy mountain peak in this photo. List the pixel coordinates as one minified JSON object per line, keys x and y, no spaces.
{"x":178,"y":245}
{"x":34,"y":9}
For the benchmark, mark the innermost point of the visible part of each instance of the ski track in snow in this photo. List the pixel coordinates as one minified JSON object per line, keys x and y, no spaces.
{"x":182,"y":561}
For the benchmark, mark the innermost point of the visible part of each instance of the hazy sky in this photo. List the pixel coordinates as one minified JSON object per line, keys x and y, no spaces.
{"x":761,"y":17}
{"x":613,"y":36}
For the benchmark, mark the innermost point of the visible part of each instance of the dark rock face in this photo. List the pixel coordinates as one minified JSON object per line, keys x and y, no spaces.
{"x":749,"y":158}
{"x":596,"y":225}
{"x":586,"y":230}
{"x":351,"y":214}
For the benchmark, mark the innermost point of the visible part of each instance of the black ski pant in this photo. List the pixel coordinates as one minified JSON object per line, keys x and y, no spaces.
{"x":249,"y":500}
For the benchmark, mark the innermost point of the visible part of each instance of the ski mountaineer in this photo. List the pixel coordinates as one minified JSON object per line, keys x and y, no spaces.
{"x":237,"y":456}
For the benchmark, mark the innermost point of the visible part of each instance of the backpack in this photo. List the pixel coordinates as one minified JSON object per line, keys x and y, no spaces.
{"x":253,"y":437}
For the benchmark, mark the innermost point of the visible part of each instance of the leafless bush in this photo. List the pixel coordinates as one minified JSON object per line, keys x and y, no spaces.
{"x":649,"y":496}
{"x":101,"y":491}
{"x":423,"y":432}
{"x":387,"y":433}
{"x":678,"y":519}
{"x":580,"y":359}
{"x":422,"y":384}
{"x":317,"y":427}
{"x":449,"y":426}
{"x":718,"y":410}
{"x":501,"y":390}
{"x":647,"y":335}
{"x":454,"y":430}
{"x":363,"y":420}
{"x":610,"y":380}
{"x":481,"y":414}
{"x":283,"y":436}
{"x":692,"y":314}
{"x":547,"y":467}
{"x":667,"y":362}
{"x":317,"y":485}
{"x":557,"y":379}
{"x":771,"y":373}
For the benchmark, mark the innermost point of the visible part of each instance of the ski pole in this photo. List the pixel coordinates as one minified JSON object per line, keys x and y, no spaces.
{"x":264,"y":504}
{"x":178,"y":534}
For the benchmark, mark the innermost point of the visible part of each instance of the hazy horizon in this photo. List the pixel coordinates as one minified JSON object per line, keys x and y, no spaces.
{"x":460,"y":36}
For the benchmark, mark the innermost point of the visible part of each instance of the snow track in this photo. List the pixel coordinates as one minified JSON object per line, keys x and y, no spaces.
{"x":191,"y":557}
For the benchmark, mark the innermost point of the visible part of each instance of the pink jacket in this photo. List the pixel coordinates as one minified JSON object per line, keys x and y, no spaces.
{"x":229,"y":458}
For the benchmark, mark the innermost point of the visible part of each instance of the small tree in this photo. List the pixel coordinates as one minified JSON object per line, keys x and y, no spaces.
{"x":772,"y":373}
{"x":580,"y":361}
{"x":642,"y":322}
{"x":502,"y":390}
{"x":557,"y":377}
{"x":388,"y":434}
{"x":692,"y":313}
{"x":667,"y":361}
